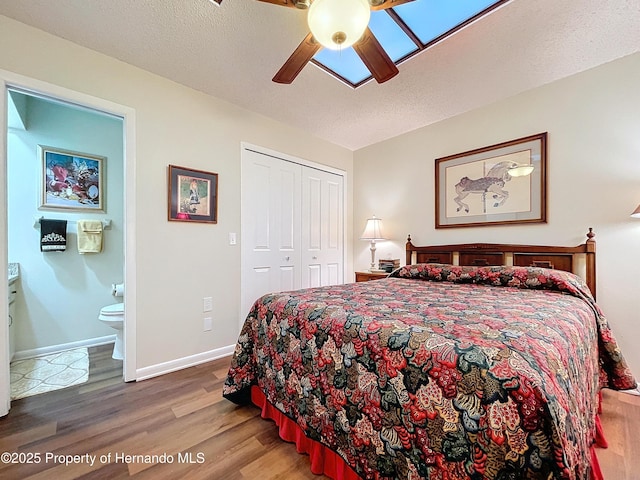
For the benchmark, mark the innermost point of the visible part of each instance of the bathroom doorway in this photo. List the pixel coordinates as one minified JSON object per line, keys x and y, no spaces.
{"x":59,"y":294}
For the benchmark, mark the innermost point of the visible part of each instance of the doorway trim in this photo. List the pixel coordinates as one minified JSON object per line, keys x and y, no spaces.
{"x":10,"y":80}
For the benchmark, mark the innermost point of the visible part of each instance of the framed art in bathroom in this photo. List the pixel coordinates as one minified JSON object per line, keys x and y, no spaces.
{"x":193,"y":195}
{"x":71,"y":180}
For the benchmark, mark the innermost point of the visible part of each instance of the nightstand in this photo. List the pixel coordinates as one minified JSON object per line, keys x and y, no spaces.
{"x":368,"y":276}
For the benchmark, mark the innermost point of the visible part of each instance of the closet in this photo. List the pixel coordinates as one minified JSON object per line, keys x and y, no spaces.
{"x":292,"y":216}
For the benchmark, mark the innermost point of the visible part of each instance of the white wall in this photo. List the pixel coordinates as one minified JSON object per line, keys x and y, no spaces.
{"x":61,"y":293}
{"x":177,"y":264}
{"x":593,"y":180}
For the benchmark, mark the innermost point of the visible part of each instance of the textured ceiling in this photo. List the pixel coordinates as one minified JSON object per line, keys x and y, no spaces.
{"x":233,"y":50}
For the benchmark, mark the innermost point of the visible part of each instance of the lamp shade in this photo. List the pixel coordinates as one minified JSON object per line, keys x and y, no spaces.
{"x":338,"y":24}
{"x":636,"y":212}
{"x":373,"y":230}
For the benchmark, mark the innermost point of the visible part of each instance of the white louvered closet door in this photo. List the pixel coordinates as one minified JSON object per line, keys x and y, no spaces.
{"x":292,"y":227}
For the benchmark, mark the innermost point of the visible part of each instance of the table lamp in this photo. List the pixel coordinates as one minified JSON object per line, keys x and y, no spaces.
{"x":373,"y":233}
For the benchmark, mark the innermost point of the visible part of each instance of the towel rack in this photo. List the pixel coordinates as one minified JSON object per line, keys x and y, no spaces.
{"x":106,"y":223}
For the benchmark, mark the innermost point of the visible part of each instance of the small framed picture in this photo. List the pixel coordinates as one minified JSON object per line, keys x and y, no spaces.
{"x":71,"y":180}
{"x":193,"y":195}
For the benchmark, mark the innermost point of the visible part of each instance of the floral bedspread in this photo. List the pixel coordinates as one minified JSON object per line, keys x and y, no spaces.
{"x":438,"y":372}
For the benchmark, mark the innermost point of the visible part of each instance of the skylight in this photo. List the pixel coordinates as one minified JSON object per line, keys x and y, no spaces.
{"x":404,"y":31}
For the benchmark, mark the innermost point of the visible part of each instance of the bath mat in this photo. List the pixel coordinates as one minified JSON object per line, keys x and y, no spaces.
{"x":32,"y":376}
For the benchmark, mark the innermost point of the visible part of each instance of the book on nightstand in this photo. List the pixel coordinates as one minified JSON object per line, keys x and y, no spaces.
{"x":388,"y":265}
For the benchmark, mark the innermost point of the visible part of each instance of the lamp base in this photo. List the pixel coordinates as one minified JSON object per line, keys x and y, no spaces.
{"x":377,"y":270}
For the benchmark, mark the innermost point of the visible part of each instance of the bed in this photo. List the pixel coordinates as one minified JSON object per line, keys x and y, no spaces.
{"x":474,"y":361}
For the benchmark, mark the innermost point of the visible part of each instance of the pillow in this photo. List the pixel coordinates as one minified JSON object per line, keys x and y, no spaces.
{"x":499,"y":276}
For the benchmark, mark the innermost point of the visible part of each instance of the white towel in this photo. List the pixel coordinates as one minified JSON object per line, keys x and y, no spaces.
{"x":89,"y":236}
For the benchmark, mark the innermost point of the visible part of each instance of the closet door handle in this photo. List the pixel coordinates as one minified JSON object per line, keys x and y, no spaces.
{"x":10,"y":320}
{"x":286,"y":259}
{"x":314,"y":258}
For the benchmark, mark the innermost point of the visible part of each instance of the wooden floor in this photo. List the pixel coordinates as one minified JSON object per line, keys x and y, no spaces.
{"x":183,"y":416}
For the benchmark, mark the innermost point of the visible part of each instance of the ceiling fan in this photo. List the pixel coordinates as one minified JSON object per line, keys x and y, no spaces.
{"x":341,"y":35}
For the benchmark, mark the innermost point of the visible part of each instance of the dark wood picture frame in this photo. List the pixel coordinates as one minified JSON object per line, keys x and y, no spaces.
{"x":482,"y":187}
{"x":193,"y":195}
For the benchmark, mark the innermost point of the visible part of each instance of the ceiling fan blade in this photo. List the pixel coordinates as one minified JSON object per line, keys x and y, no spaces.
{"x":283,"y":3}
{"x":298,"y":59}
{"x":384,"y":5}
{"x":375,"y":58}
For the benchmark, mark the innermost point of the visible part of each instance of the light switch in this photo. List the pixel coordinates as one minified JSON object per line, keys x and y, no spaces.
{"x":207,"y":304}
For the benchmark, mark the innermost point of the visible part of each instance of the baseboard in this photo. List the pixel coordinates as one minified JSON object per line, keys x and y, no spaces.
{"x":185,"y":362}
{"x":90,"y":342}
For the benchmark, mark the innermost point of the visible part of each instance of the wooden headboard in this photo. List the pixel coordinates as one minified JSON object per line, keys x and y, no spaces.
{"x":580,"y":260}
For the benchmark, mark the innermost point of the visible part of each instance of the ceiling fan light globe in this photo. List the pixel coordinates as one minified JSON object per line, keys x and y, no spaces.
{"x":342,"y":21}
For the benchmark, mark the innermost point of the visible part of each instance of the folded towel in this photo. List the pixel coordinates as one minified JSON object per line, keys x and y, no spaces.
{"x":89,"y":236}
{"x":53,"y":235}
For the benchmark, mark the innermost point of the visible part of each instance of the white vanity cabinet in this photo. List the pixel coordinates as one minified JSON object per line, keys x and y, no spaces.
{"x":14,"y":274}
{"x":12,"y":315}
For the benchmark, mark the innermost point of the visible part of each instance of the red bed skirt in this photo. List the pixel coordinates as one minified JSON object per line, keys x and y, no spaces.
{"x":326,"y":461}
{"x":323,"y":460}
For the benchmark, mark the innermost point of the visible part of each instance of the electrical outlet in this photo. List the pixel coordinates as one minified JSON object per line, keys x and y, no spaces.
{"x":207,"y":304}
{"x":208,"y":324}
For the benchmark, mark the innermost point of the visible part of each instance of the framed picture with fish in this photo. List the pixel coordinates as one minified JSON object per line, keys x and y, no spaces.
{"x":501,"y":184}
{"x":193,"y":195}
{"x":71,"y":180}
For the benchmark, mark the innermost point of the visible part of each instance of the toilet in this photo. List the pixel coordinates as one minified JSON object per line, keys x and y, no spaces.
{"x":113,"y":315}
